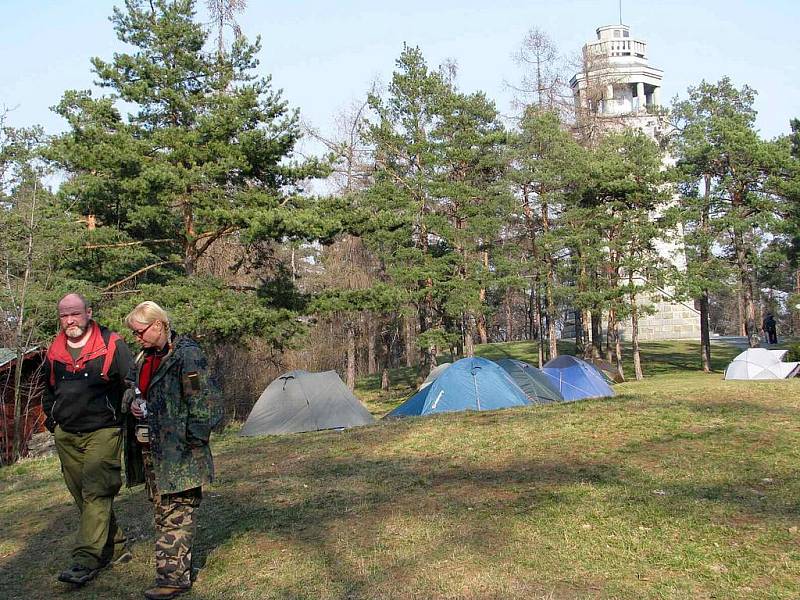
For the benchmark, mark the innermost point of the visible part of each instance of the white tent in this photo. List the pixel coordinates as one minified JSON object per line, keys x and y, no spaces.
{"x":760,"y":363}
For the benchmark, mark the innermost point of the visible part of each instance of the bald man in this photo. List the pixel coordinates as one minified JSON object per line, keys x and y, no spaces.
{"x":84,"y":375}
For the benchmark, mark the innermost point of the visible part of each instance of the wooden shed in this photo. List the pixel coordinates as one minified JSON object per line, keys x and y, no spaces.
{"x":31,"y":412}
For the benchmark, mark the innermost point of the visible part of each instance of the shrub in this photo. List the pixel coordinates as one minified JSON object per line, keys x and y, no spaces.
{"x":794,"y":353}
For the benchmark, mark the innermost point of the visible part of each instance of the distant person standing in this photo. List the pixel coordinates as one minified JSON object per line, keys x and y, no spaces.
{"x":176,"y":404}
{"x":84,"y":373}
{"x":770,"y":328}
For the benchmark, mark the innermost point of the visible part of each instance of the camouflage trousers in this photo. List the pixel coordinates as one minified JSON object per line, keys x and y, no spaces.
{"x":175,"y":529}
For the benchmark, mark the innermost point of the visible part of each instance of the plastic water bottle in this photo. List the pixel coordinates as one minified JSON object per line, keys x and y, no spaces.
{"x":140,"y":402}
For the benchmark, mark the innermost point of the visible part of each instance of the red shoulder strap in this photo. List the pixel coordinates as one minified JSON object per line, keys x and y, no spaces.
{"x":52,"y":353}
{"x":111,"y":349}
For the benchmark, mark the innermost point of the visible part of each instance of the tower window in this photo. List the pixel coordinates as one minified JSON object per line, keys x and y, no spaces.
{"x":616,"y":33}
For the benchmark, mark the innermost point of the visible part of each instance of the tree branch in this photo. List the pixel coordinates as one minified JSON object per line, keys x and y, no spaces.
{"x":210,"y":238}
{"x":107,"y":289}
{"x":125,"y":244}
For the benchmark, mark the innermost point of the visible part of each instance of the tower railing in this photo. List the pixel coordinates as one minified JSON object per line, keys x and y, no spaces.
{"x":621,"y":47}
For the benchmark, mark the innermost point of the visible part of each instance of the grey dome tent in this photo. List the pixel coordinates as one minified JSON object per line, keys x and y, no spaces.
{"x":434,"y":374}
{"x":301,"y":401}
{"x":532,"y":381}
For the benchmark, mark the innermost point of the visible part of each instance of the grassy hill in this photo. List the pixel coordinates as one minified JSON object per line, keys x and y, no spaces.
{"x":683,"y":486}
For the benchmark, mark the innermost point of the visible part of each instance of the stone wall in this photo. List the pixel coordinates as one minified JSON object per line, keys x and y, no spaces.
{"x":671,"y":321}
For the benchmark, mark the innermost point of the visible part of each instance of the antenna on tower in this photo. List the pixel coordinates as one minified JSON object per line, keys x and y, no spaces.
{"x":620,"y":12}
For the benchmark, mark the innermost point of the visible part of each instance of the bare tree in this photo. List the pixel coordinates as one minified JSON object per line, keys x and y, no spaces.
{"x":223,"y":15}
{"x":543,"y":82}
{"x":23,"y":220}
{"x":596,"y":80}
{"x":348,"y":264}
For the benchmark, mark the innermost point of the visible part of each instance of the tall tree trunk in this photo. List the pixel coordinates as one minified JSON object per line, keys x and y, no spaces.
{"x":613,"y":278}
{"x":540,"y":328}
{"x":577,"y":317}
{"x":535,"y":296}
{"x":469,"y":341}
{"x":190,"y":243}
{"x":740,"y":313}
{"x":611,"y":329}
{"x":20,"y":344}
{"x":351,"y":355}
{"x":531,"y":315}
{"x":549,"y":279}
{"x":618,"y":350}
{"x":597,"y":333}
{"x":746,"y":283}
{"x":509,"y":316}
{"x":796,"y":309}
{"x":637,"y":359}
{"x":408,"y":338}
{"x":705,"y":332}
{"x":425,"y":322}
{"x":386,"y":362}
{"x":481,"y":320}
{"x":18,"y":441}
{"x":480,"y":325}
{"x":552,"y":336}
{"x":586,"y":332}
{"x":372,"y":339}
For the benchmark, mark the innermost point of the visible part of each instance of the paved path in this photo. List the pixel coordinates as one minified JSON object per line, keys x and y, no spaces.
{"x":740,"y":341}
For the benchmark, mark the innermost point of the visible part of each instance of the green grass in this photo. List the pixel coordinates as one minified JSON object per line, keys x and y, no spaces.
{"x":682,"y":486}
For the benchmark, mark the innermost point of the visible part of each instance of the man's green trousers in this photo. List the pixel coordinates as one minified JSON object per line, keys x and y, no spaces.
{"x":90,"y":463}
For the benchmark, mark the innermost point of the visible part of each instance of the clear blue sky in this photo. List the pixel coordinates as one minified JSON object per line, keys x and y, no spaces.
{"x":325,"y":53}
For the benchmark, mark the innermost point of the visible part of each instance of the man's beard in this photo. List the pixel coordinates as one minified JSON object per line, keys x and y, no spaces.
{"x":75,"y":332}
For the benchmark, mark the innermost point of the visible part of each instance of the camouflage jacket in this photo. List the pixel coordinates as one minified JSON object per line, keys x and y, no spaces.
{"x":181,"y":411}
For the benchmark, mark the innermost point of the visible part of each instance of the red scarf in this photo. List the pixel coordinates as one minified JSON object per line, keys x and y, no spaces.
{"x":149,"y":367}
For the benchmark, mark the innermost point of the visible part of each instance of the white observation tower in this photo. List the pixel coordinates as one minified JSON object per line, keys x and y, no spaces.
{"x":617,"y":78}
{"x":616,"y":88}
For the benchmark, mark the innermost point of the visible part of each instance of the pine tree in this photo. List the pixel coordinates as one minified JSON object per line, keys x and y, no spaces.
{"x":783,"y":252}
{"x":471,"y":202}
{"x":205,"y":153}
{"x":718,"y":144}
{"x":436,"y":201}
{"x":548,"y":168}
{"x":631,"y":182}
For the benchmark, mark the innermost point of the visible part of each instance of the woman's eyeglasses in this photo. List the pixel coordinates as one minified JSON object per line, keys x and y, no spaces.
{"x":140,"y":333}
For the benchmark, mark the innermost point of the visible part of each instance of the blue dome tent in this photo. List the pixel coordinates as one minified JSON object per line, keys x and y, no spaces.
{"x":576,"y":379}
{"x":468,"y":384}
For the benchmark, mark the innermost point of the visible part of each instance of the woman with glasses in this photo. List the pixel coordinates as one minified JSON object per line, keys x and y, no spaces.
{"x":177,"y":404}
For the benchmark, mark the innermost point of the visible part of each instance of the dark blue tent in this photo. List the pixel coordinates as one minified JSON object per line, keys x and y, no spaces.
{"x":576,"y":379}
{"x":468,"y":384}
{"x":532,"y":381}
